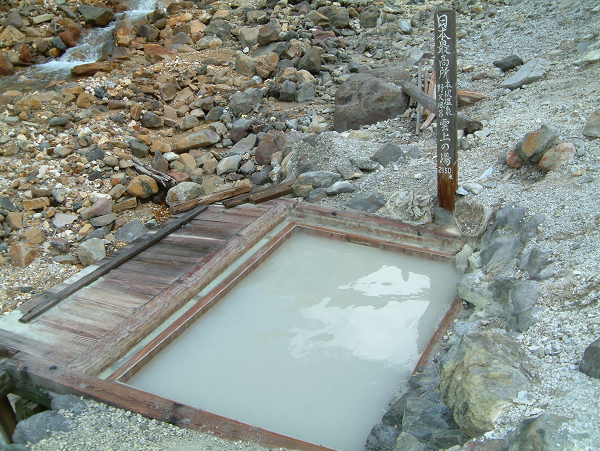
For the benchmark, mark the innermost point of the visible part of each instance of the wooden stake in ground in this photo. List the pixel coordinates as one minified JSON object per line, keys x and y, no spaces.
{"x":445,"y":70}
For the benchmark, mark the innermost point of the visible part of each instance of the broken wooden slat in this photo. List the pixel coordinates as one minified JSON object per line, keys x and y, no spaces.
{"x":469,"y":97}
{"x":164,"y":179}
{"x":462,"y":120}
{"x":243,"y":187}
{"x":46,"y":301}
{"x":262,"y":195}
{"x":118,"y":341}
{"x":237,"y":200}
{"x":272,"y":192}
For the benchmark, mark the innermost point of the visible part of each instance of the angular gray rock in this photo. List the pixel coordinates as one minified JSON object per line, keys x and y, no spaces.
{"x":389,"y":153}
{"x":91,"y":251}
{"x":590,"y":363}
{"x":229,"y":164}
{"x":367,"y":202}
{"x":243,"y":102}
{"x":318,"y":179}
{"x":364,"y":99}
{"x":340,"y":187}
{"x":524,"y":295}
{"x":311,"y":61}
{"x":40,"y":426}
{"x":68,"y":402}
{"x":508,"y":63}
{"x":532,"y":71}
{"x":592,"y":128}
{"x":382,"y":437}
{"x":287,"y":91}
{"x":131,"y":231}
{"x":472,"y":288}
{"x":95,"y":16}
{"x":305,"y":91}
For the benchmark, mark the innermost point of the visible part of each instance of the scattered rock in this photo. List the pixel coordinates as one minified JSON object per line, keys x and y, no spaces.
{"x":532,"y":71}
{"x":183,"y":192}
{"x":131,"y":231}
{"x":540,"y":433}
{"x":367,"y":202}
{"x":592,"y":128}
{"x":590,"y":363}
{"x":91,"y":251}
{"x":40,"y":426}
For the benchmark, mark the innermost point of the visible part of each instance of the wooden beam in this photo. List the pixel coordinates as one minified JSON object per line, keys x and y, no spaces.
{"x":46,"y":301}
{"x":117,"y":342}
{"x":8,"y":419}
{"x":59,"y":379}
{"x":243,"y":187}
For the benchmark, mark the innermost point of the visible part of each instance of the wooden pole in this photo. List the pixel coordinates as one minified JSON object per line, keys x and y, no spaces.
{"x":445,"y":70}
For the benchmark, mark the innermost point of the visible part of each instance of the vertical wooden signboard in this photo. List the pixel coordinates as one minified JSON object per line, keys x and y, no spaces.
{"x":445,"y":71}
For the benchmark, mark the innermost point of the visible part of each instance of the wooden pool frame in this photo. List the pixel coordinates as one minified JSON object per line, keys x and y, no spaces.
{"x":96,"y":374}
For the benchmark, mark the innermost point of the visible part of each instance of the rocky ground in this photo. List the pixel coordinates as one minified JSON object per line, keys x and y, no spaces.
{"x":192,"y":94}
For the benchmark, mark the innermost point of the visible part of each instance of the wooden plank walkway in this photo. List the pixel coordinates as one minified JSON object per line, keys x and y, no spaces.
{"x":77,"y":323}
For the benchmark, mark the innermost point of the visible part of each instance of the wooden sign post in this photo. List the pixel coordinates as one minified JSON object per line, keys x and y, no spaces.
{"x":445,"y":71}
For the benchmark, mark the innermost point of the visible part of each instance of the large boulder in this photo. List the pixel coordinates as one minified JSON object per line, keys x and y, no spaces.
{"x":481,"y":376}
{"x":365,"y":99}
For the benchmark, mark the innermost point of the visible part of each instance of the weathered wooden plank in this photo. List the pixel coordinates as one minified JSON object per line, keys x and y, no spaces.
{"x":47,"y":301}
{"x":242,"y":187}
{"x":261,"y":195}
{"x":117,"y":342}
{"x":57,"y":350}
{"x":272,"y":192}
{"x":29,"y":371}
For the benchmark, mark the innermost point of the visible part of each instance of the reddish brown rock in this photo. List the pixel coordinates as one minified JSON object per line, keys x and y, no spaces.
{"x":513,"y":159}
{"x":22,"y":254}
{"x":271,"y":142}
{"x":24,"y":53}
{"x":34,"y":236}
{"x":67,"y":37}
{"x":92,"y":68}
{"x":36,"y":204}
{"x":156,"y":53}
{"x":6,"y":67}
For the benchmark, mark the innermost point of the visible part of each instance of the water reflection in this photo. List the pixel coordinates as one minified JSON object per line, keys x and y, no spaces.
{"x":388,"y":334}
{"x":389,"y":280}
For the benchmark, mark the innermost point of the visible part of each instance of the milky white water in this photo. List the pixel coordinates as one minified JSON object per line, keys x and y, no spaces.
{"x":313,"y":344}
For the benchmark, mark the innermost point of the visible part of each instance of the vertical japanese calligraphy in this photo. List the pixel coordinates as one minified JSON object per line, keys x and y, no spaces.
{"x":445,"y":68}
